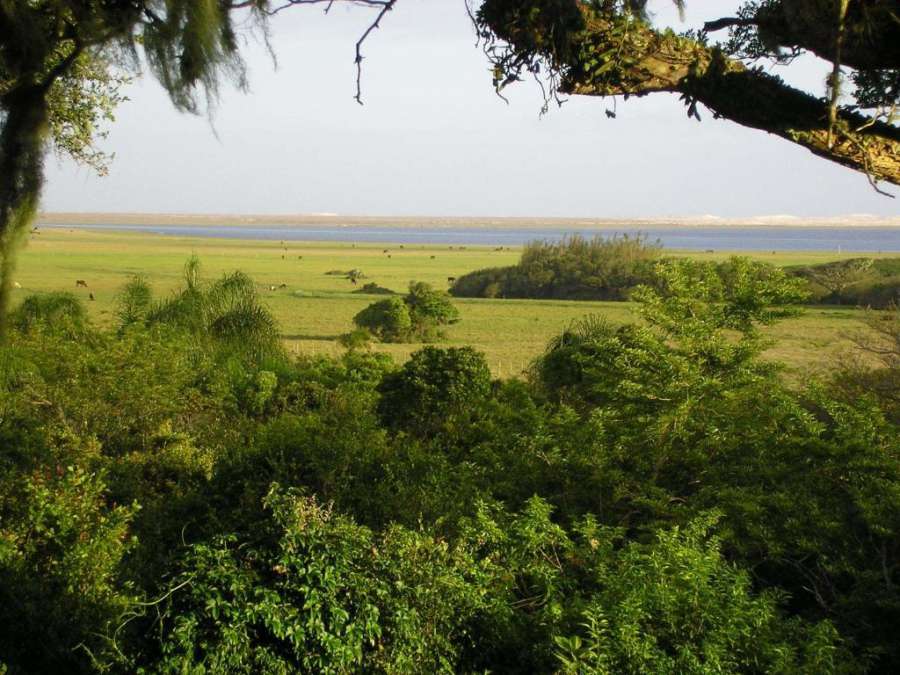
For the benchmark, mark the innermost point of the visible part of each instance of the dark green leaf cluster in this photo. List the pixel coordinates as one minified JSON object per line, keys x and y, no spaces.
{"x":417,"y":317}
{"x":434,"y":389}
{"x":575,"y":268}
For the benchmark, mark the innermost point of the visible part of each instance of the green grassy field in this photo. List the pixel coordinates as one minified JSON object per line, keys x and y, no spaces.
{"x":317,"y":307}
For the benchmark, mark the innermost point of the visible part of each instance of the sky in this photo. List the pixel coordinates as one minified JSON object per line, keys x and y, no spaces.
{"x":434,"y":139}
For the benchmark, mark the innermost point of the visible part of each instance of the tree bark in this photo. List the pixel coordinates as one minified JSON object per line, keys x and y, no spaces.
{"x":872,"y":30}
{"x":22,"y":147}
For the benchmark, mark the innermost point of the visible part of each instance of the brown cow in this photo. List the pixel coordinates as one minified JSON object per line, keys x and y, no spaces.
{"x":80,"y":283}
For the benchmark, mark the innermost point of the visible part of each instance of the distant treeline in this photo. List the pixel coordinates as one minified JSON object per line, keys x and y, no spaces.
{"x":866,"y":282}
{"x":574,"y":268}
{"x":600,"y":268}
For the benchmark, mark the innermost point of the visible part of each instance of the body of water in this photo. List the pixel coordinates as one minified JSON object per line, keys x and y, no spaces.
{"x":734,"y":238}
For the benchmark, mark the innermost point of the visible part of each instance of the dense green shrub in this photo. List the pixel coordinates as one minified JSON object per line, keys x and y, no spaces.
{"x":227,"y":311}
{"x":433,"y":389}
{"x":314,"y":591}
{"x":61,"y":547}
{"x":134,"y":301}
{"x":574,"y":268}
{"x":372,"y":288}
{"x":418,"y":316}
{"x":430,"y":310}
{"x":678,"y":607}
{"x":57,"y":312}
{"x":388,"y":319}
{"x":654,"y":498}
{"x":320,"y":594}
{"x":865,"y":282}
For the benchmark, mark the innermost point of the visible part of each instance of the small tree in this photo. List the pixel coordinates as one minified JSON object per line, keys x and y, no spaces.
{"x":429,"y":309}
{"x":57,"y":312}
{"x":388,"y":320}
{"x":418,"y":315}
{"x":134,"y":301}
{"x":837,"y":276}
{"x":228,"y":311}
{"x":435,"y":387}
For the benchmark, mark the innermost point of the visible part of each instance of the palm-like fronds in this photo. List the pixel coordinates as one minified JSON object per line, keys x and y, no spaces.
{"x":57,"y":311}
{"x":227,"y":311}
{"x":134,"y":301}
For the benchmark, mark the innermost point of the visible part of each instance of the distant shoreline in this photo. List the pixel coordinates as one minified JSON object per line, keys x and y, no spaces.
{"x":301,"y":221}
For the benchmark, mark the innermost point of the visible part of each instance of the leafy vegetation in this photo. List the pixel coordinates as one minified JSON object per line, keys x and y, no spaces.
{"x":417,"y":317}
{"x":865,"y":282}
{"x":574,"y":268}
{"x":610,"y":269}
{"x":372,"y":288}
{"x":652,"y":497}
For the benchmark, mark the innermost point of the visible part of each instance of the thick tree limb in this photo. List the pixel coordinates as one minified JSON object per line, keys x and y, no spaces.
{"x":871,"y":39}
{"x":749,"y":97}
{"x":609,"y":55}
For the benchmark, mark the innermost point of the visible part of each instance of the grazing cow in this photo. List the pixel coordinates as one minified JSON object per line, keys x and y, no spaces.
{"x":16,"y":284}
{"x":273,"y":288}
{"x":282,"y":286}
{"x":451,"y":280}
{"x":432,"y":257}
{"x":80,"y":283}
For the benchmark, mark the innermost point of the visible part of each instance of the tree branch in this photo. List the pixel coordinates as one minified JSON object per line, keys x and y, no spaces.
{"x":610,"y":55}
{"x":384,"y":5}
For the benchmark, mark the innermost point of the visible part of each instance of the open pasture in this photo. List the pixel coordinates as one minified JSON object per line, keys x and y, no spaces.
{"x":315,"y":307}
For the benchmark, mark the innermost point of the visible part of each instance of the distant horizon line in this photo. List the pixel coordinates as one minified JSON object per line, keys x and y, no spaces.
{"x":350,"y":220}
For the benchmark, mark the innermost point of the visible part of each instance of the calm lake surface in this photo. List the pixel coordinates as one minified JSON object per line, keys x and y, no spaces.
{"x":734,"y":238}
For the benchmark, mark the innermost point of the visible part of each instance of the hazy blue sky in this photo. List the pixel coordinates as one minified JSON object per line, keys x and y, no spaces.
{"x":434,"y":139}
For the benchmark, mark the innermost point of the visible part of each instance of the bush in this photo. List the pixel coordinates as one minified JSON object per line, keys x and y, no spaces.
{"x":574,"y":268}
{"x":389,"y":320}
{"x":61,"y":547}
{"x":356,"y":339}
{"x":864,"y":282}
{"x":58,"y":312}
{"x":434,"y":389}
{"x":677,"y":606}
{"x":372,"y":288}
{"x":417,"y":316}
{"x":319,"y":593}
{"x":134,"y":301}
{"x":654,"y":499}
{"x":228,"y":311}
